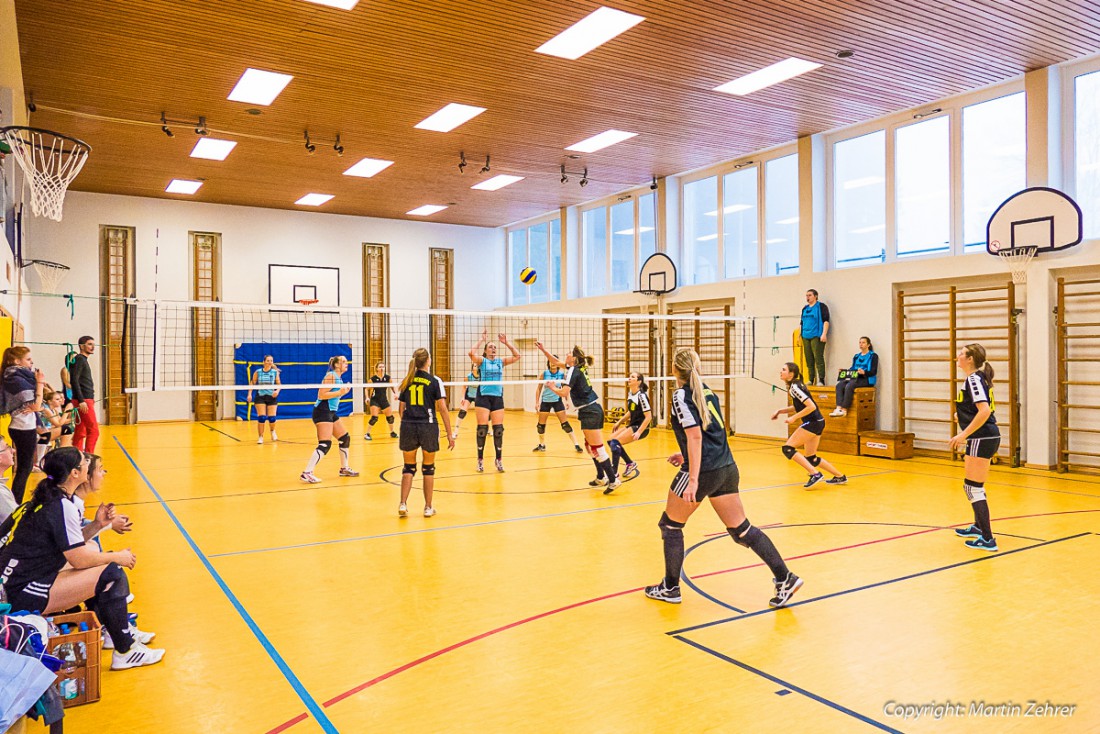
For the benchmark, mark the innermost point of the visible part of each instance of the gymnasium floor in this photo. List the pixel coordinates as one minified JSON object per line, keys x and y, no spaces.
{"x":518,"y":607}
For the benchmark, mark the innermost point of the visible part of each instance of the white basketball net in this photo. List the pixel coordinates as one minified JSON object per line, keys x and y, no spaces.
{"x":1016,"y":260}
{"x":50,"y":274}
{"x":49,"y":162}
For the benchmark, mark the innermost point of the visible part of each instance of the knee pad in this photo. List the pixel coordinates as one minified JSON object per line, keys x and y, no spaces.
{"x":975,"y":491}
{"x":427,"y":469}
{"x":600,"y":453}
{"x":112,"y":583}
{"x":461,"y":414}
{"x":324,"y":446}
{"x":540,"y":428}
{"x":261,"y":419}
{"x":567,"y":427}
{"x":789,"y":451}
{"x":482,"y":432}
{"x":615,"y":446}
{"x":668,"y":525}
{"x":740,"y":534}
{"x":345,"y":441}
{"x":271,"y":419}
{"x":498,"y":430}
{"x":814,"y":459}
{"x":389,"y":419}
{"x":373,"y":420}
{"x":408,"y":469}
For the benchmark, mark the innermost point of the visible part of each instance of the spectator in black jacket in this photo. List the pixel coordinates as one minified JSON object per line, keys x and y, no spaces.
{"x":862,"y":374}
{"x":80,"y":375}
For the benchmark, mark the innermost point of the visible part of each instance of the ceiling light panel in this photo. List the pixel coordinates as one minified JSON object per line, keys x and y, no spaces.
{"x":601,"y":141}
{"x":449,"y":117}
{"x":594,"y":30}
{"x":497,"y":182}
{"x":368,"y":167}
{"x":213,"y":149}
{"x":259,"y":87}
{"x":766,"y":77}
{"x":423,"y":211}
{"x":313,"y":199}
{"x":183,"y":186}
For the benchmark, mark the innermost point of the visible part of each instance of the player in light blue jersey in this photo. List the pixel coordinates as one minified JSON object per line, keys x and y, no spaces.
{"x":328,"y":422}
{"x":267,"y":398}
{"x":490,"y":397}
{"x":549,"y":401}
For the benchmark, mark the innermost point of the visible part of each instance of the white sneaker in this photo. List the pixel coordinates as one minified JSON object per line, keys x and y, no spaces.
{"x":837,"y":412}
{"x":135,"y":657}
{"x":454,"y":436}
{"x":143,"y":637}
{"x":260,"y":440}
{"x":274,"y":437}
{"x":402,"y":510}
{"x":429,"y":511}
{"x":309,"y":477}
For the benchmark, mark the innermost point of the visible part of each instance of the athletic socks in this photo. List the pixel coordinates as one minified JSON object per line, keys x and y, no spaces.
{"x":762,"y":545}
{"x":981,"y":519}
{"x":314,"y":459}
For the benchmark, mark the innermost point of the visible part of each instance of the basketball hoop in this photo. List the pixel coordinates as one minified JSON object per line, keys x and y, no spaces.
{"x":308,"y":301}
{"x":1016,"y":259}
{"x":50,"y":161}
{"x":49,"y":273}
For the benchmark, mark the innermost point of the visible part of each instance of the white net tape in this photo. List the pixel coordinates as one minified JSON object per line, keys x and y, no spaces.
{"x":1016,"y":260}
{"x":50,"y":162}
{"x":50,"y":274}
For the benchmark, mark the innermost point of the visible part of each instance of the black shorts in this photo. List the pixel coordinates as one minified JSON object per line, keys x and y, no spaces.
{"x":44,"y":439}
{"x":424,"y":436}
{"x":591,"y":417}
{"x":984,"y":447}
{"x":644,"y":433}
{"x":322,"y":414}
{"x":816,"y":427}
{"x":558,"y":406}
{"x":21,"y":601}
{"x":266,"y":400}
{"x":491,"y":402}
{"x":381,"y":403}
{"x":470,"y":398}
{"x":714,"y":483}
{"x":68,"y":429}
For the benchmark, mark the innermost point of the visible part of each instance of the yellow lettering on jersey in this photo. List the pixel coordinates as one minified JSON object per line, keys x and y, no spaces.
{"x":713,"y":408}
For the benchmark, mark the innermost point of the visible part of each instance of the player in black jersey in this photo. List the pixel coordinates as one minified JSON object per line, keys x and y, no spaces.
{"x":707,"y":469}
{"x":979,"y":434}
{"x":578,"y":388}
{"x":811,"y":424}
{"x":422,"y":402}
{"x":378,"y":400}
{"x":633,"y":426}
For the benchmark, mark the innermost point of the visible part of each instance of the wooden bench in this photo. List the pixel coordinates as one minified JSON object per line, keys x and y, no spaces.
{"x":886,"y":444}
{"x":842,"y":433}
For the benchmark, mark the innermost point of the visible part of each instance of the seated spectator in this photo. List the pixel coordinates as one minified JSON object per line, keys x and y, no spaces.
{"x":864,"y":367}
{"x":43,"y":535}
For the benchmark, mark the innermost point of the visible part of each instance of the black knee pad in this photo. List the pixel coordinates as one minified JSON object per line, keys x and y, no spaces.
{"x":324,"y":446}
{"x":427,"y":469}
{"x":498,"y":430}
{"x":482,"y":432}
{"x":408,"y":469}
{"x":670,"y":528}
{"x":540,"y":428}
{"x":567,"y":427}
{"x":345,"y":441}
{"x":741,"y":533}
{"x":814,"y":459}
{"x":615,"y":446}
{"x":789,"y":451}
{"x":389,"y":419}
{"x":373,"y":420}
{"x":461,"y":414}
{"x":112,"y":583}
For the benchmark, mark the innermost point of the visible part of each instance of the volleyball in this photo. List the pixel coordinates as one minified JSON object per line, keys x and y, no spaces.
{"x":528,"y":276}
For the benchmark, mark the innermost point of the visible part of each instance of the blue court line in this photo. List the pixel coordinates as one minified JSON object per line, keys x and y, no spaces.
{"x":311,"y":705}
{"x":887,"y":582}
{"x":215,"y":430}
{"x":691,"y":584}
{"x":791,"y":686}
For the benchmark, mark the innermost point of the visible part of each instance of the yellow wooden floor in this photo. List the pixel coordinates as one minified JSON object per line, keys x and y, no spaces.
{"x":287,"y":607}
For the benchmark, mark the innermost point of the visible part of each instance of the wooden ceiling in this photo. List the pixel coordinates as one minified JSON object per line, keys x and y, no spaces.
{"x":374,"y":72}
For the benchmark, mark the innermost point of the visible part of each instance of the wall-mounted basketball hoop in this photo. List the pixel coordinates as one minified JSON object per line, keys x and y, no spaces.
{"x":658,"y":275}
{"x":50,"y":161}
{"x":1030,"y":222}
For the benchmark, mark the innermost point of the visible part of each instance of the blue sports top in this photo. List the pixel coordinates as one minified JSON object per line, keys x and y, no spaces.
{"x":492,"y":369}
{"x":868,"y":363}
{"x":266,"y":377}
{"x":471,"y":389}
{"x":548,"y":395}
{"x":333,"y":403}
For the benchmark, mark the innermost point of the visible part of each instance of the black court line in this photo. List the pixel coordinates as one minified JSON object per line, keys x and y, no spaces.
{"x":877,"y":584}
{"x":692,"y":585}
{"x":221,"y":432}
{"x":790,"y":686}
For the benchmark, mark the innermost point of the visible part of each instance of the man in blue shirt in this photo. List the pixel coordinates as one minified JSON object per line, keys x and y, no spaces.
{"x":815,"y":332}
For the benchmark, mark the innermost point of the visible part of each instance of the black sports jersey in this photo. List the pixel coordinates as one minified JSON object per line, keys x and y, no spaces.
{"x":638,"y":405}
{"x":800,"y":395}
{"x":379,"y":393}
{"x":580,"y":387}
{"x":420,"y":396}
{"x":973,"y":391}
{"x":716,"y":447}
{"x":33,"y":545}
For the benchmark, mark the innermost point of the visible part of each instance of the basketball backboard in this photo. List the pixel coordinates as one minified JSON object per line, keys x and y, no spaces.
{"x":658,"y":275}
{"x":1038,"y":217}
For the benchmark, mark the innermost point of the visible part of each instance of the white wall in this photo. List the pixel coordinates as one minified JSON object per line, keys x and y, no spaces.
{"x":251,"y":239}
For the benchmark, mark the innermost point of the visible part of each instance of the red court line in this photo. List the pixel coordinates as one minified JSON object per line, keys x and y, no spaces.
{"x":374,"y":681}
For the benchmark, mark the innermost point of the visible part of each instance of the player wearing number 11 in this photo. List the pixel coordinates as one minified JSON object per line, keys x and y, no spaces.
{"x":421,"y":404}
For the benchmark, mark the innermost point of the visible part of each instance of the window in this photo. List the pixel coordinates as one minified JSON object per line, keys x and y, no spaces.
{"x":647,"y":227}
{"x":781,"y":212}
{"x":622,"y":246}
{"x":617,"y":237}
{"x":739,"y":223}
{"x":538,"y":247}
{"x":994,"y":154}
{"x":701,"y":231}
{"x":595,"y":251}
{"x":1086,"y":150}
{"x":859,"y":200}
{"x":922,"y":171}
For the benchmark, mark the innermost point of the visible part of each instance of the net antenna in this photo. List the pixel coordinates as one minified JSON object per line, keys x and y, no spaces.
{"x":1032,"y":222}
{"x":50,"y":161}
{"x":50,"y":274}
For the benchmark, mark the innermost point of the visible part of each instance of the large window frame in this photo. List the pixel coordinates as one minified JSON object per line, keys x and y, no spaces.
{"x":639,"y":198}
{"x":951,"y":108}
{"x":1069,"y":74}
{"x":554,"y":284}
{"x":758,"y":163}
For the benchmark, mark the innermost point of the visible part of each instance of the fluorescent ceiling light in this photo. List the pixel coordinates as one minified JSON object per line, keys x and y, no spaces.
{"x":259,"y":87}
{"x":868,"y":230}
{"x":183,"y":186}
{"x":601,"y":141}
{"x":497,"y":182}
{"x":213,"y":149}
{"x":788,"y":220}
{"x":449,"y":117}
{"x":858,"y":183}
{"x":631,"y":230}
{"x":342,"y":4}
{"x":595,"y":29}
{"x":313,"y":199}
{"x":769,"y":75}
{"x":707,"y":237}
{"x":368,"y":167}
{"x":731,"y":209}
{"x":423,"y":211}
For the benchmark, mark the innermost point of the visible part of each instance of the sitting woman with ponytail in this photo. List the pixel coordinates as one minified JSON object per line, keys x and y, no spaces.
{"x":637,"y":418}
{"x":44,"y":535}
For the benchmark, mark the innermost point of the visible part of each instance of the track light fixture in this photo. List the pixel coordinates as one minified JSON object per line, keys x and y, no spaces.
{"x":310,"y":147}
{"x":164,"y":126}
{"x":744,"y":164}
{"x":338,"y":147}
{"x":485,"y":168}
{"x":584,"y":179}
{"x":653,"y":184}
{"x":929,"y":113}
{"x":564,"y":178}
{"x":200,"y":128}
{"x":462,"y":163}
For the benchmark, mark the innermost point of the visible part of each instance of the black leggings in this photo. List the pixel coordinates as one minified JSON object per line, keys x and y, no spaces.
{"x":846,"y":390}
{"x":25,"y":442}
